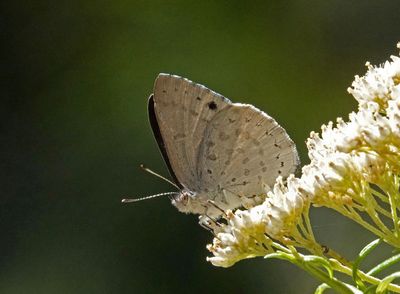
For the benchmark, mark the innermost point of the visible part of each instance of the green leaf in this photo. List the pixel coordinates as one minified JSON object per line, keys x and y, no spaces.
{"x":361,"y":256}
{"x":312,"y":264}
{"x":354,"y":289}
{"x":384,"y":265}
{"x":367,"y":249}
{"x":383,"y":285}
{"x":319,"y":262}
{"x":370,"y":290}
{"x":321,"y":288}
{"x":279,"y":255}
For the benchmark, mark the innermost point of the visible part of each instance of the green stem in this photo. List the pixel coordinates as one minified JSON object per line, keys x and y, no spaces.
{"x":352,"y":214}
{"x":363,"y":276}
{"x":308,"y":222}
{"x":393,"y":210}
{"x":375,"y":218}
{"x":322,"y":276}
{"x":303,"y":230}
{"x":383,"y":211}
{"x":393,"y":194}
{"x":382,"y":197}
{"x":370,"y":206}
{"x":281,"y":247}
{"x":332,"y":253}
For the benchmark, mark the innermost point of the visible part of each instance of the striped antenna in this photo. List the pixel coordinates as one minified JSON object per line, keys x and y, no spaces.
{"x":143,"y":167}
{"x":128,"y":200}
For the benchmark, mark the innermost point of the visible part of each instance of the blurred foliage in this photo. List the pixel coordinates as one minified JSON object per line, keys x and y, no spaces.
{"x":75,"y":81}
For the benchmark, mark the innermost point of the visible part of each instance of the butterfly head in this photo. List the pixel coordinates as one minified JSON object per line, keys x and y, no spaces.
{"x":188,"y":202}
{"x":198,"y":203}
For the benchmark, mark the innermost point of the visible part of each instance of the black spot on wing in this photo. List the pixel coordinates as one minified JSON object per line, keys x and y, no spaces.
{"x":212,"y":105}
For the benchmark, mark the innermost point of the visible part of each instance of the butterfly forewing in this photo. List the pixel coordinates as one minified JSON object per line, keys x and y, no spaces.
{"x":160,"y":141}
{"x":183,"y":110}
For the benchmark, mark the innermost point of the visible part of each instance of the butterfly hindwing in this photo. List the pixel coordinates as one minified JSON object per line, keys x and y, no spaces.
{"x":243,"y":150}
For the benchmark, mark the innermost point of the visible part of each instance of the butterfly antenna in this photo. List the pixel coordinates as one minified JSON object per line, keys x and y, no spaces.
{"x":143,"y":167}
{"x":128,"y":200}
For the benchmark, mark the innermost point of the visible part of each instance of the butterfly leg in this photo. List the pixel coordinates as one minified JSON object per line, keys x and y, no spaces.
{"x":217,"y":207}
{"x":225,"y":198}
{"x":209,"y":223}
{"x":205,"y":225}
{"x":266,"y":187}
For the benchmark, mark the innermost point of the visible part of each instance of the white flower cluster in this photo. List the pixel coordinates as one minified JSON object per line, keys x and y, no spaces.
{"x":248,"y":233}
{"x":363,"y":148}
{"x":352,"y":152}
{"x":345,"y":160}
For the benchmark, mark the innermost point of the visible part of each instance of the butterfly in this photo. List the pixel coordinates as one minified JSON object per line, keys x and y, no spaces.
{"x":221,"y":155}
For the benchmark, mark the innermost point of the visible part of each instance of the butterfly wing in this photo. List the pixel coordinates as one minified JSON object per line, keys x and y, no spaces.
{"x":179,"y":113}
{"x":215,"y":147}
{"x":244,"y":149}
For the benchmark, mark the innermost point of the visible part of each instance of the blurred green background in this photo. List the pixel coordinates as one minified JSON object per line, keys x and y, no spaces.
{"x":75,"y":82}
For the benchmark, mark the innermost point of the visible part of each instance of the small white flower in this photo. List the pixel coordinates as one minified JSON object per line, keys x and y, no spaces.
{"x":327,"y":181}
{"x":380,"y":84}
{"x":393,"y":113}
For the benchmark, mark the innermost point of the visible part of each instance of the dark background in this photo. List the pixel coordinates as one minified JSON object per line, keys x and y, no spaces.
{"x":75,"y":80}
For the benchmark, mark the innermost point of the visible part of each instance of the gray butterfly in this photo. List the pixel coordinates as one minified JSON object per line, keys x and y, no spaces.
{"x":229,"y":153}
